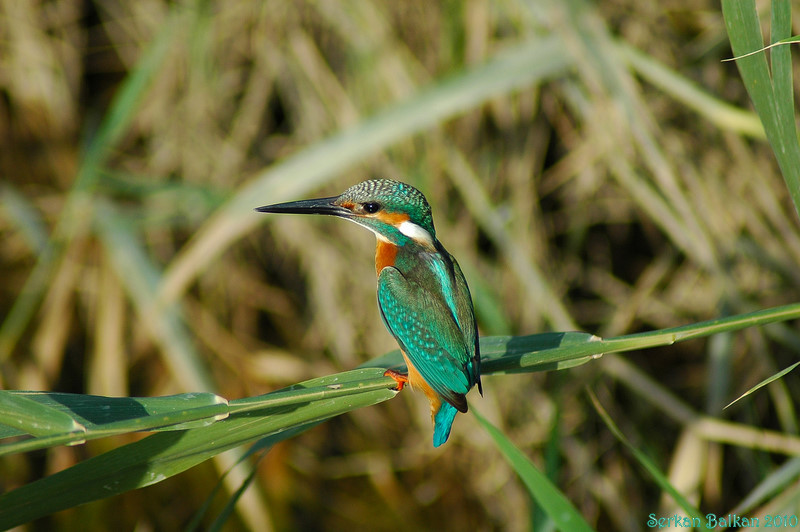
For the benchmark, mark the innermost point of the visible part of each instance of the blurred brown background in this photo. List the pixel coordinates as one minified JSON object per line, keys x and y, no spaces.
{"x":628,"y":189}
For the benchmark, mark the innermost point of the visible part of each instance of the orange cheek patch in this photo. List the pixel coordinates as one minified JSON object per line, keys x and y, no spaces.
{"x":392,"y":218}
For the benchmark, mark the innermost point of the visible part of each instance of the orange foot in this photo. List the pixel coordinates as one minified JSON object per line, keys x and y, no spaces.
{"x":400,"y":378}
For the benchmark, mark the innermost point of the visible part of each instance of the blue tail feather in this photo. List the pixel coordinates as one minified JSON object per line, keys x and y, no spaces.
{"x":443,"y":421}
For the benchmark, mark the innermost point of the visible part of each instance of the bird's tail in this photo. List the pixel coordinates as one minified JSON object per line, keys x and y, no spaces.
{"x":442,"y":422}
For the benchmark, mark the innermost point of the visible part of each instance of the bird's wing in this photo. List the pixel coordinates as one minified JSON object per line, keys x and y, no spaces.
{"x":427,"y":332}
{"x":466,"y":319}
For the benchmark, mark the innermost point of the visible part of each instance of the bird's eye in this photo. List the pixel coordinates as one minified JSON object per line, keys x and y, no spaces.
{"x":372,"y":207}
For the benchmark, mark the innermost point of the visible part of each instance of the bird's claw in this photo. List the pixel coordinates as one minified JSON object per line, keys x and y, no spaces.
{"x":400,"y":378}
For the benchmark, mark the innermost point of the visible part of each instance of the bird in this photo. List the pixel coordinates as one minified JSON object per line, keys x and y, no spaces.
{"x":423,"y":297}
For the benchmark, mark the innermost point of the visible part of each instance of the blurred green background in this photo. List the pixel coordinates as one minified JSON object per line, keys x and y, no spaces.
{"x":592,"y":166}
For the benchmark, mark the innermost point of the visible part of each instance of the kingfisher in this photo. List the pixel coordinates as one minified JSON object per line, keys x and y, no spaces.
{"x":423,"y":296}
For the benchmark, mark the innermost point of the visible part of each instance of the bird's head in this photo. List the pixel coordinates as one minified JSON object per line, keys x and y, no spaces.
{"x":394,"y":211}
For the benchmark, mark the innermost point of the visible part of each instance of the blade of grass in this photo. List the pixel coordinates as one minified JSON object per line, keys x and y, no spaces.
{"x":579,"y":348}
{"x":552,"y":467}
{"x":32,"y":417}
{"x":795,"y":39}
{"x":546,"y":494}
{"x":98,"y":417}
{"x":764,"y":383}
{"x":165,"y":454}
{"x":230,"y":505}
{"x":197,"y":518}
{"x":59,"y":419}
{"x":771,"y":95}
{"x":781,"y":56}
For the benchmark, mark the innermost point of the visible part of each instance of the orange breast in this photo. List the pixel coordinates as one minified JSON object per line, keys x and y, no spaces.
{"x":416,"y":381}
{"x":385,"y":254}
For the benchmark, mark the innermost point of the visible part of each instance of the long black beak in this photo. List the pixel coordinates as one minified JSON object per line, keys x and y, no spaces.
{"x":312,"y":206}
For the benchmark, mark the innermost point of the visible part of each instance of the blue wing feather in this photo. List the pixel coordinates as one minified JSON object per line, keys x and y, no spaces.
{"x":427,"y":330}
